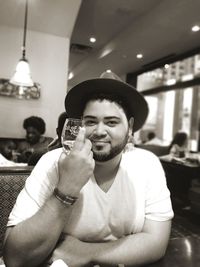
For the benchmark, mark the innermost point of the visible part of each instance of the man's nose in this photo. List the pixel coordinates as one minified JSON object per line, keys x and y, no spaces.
{"x":100,"y":129}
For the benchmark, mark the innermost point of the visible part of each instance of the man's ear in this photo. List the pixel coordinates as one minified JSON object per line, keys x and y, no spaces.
{"x":130,"y":123}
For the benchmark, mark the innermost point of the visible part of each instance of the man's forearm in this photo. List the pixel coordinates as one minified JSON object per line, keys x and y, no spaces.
{"x":31,"y":241}
{"x":134,"y":250}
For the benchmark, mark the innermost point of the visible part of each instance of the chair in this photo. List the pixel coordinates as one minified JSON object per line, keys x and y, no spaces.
{"x":12,"y":180}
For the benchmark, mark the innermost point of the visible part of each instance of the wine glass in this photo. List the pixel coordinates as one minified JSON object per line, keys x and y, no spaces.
{"x":69,"y":133}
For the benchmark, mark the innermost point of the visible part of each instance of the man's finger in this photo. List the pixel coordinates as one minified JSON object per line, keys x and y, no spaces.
{"x":87,"y":147}
{"x":80,"y":139}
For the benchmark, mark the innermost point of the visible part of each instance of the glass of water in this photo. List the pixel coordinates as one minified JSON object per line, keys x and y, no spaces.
{"x":69,"y":133}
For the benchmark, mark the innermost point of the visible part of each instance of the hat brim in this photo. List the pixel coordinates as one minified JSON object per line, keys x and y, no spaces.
{"x":136,"y":104}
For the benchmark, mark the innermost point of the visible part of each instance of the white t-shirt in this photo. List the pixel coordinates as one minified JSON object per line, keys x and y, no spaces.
{"x":139,"y":191}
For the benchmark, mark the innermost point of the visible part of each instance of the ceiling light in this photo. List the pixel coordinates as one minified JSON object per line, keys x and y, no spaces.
{"x":108,"y":71}
{"x":92,"y":39}
{"x":139,"y":56}
{"x":195,"y":28}
{"x":166,"y":66}
{"x":22,"y":75}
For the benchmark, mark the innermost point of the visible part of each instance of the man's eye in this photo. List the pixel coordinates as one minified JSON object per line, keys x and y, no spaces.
{"x":112,"y":123}
{"x":89,"y":123}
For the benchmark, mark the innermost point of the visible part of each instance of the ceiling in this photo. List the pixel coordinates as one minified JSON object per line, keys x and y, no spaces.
{"x":56,"y":17}
{"x":159,"y":29}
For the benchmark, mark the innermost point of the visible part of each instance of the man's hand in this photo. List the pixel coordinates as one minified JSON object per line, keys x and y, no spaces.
{"x":76,"y":168}
{"x":73,"y":252}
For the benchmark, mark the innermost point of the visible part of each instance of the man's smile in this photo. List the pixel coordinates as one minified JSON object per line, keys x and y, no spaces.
{"x":99,"y":142}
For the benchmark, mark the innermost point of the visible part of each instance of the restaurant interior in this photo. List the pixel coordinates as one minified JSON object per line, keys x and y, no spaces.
{"x":153,"y":45}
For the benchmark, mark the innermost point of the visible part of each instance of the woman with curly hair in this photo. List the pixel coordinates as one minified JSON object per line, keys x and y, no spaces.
{"x":35,"y":141}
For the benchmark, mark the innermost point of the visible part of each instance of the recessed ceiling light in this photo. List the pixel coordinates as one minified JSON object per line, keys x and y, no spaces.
{"x":166,"y":66}
{"x":195,"y":28}
{"x":139,"y":55}
{"x":92,"y":39}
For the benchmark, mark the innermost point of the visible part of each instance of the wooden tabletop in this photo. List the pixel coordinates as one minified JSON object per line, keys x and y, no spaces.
{"x":191,"y":161}
{"x":181,"y":252}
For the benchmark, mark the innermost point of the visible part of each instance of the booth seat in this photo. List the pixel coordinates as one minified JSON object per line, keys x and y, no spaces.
{"x":12,"y":180}
{"x":158,"y":150}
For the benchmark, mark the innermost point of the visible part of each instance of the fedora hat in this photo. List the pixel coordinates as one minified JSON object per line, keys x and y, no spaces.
{"x":108,"y":83}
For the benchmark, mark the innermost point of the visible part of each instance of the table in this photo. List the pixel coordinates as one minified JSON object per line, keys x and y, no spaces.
{"x":179,"y":175}
{"x":192,"y":160}
{"x":181,"y":252}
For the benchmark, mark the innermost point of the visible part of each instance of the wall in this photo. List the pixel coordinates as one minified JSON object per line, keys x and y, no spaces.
{"x":48,"y":58}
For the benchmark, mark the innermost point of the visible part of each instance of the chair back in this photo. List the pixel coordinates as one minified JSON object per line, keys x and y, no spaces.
{"x":12,"y":180}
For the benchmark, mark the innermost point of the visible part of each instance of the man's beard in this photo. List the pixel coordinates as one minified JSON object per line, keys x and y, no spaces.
{"x":105,"y":156}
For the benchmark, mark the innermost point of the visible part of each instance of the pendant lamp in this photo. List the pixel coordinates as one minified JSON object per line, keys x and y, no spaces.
{"x":22,"y":75}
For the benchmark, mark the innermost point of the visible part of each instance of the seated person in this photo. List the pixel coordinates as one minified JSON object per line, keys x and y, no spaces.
{"x":153,"y":139}
{"x":8,"y":155}
{"x":56,"y":143}
{"x":98,"y":206}
{"x":35,"y":141}
{"x":7,"y":149}
{"x":178,"y":146}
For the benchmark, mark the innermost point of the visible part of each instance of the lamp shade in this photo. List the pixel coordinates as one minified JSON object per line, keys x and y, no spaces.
{"x":22,"y":76}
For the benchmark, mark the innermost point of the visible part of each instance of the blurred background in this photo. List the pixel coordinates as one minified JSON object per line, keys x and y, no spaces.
{"x":153,"y":45}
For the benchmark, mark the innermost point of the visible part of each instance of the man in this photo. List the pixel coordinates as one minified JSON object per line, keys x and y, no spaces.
{"x":98,"y":205}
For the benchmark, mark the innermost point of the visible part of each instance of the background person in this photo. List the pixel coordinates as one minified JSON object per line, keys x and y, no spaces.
{"x":35,"y":141}
{"x":152,"y":139}
{"x":179,"y":145}
{"x":7,"y":149}
{"x":98,"y":205}
{"x":8,"y":155}
{"x":56,"y":143}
